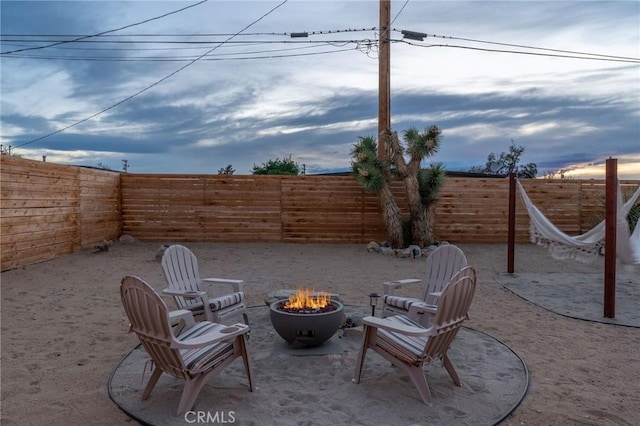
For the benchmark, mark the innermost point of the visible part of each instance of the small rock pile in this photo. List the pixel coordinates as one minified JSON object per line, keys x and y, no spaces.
{"x":413,"y":251}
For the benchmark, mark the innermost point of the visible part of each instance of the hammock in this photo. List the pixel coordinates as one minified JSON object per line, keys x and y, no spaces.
{"x":585,"y":247}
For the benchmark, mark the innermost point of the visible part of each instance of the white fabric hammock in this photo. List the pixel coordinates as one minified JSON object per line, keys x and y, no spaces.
{"x":585,"y":247}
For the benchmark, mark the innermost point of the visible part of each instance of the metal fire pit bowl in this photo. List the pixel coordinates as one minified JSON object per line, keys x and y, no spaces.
{"x":306,"y":329}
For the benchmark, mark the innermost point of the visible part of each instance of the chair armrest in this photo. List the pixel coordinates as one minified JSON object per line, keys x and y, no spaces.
{"x":422,"y":309}
{"x":391,"y":286}
{"x":422,"y":313}
{"x":187,"y":294}
{"x":215,"y":336}
{"x":398,"y":328}
{"x":182,"y":314}
{"x":238,"y":285}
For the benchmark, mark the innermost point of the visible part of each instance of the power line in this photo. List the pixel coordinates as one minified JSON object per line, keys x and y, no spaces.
{"x":309,"y":45}
{"x":522,"y":46}
{"x":588,"y":56}
{"x":360,"y":45}
{"x":536,"y":48}
{"x":153,"y":84}
{"x":83,"y":40}
{"x":106,"y":32}
{"x":264,"y":55}
{"x":399,"y":12}
{"x":80,"y":37}
{"x":203,"y":42}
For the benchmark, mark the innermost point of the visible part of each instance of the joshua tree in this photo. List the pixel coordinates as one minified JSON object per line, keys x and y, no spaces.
{"x":374,"y":176}
{"x":421,"y":185}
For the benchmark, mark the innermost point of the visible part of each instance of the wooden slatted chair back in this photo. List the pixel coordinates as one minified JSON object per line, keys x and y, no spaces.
{"x":149,"y":318}
{"x":180,"y":267}
{"x":441,"y":265}
{"x":452,"y":311}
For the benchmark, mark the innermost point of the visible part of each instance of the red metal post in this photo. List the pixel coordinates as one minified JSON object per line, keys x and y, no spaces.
{"x":511,"y":240}
{"x":611,"y":215}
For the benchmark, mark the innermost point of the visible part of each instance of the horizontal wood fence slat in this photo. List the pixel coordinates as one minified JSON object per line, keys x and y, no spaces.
{"x":201,"y":207}
{"x":48,"y":210}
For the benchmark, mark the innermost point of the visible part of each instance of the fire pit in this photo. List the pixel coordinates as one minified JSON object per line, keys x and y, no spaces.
{"x":306,"y":318}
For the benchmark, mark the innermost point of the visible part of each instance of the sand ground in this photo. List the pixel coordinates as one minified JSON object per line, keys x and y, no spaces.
{"x":63,"y":329}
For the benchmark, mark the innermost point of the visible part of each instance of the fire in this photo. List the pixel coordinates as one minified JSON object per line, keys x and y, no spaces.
{"x":305,"y":298}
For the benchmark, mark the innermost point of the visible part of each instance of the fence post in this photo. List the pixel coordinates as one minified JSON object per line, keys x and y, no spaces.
{"x":511,"y":240}
{"x":611,"y":219}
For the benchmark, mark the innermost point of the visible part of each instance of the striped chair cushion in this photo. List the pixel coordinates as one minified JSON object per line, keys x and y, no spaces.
{"x":406,"y":348}
{"x":222,"y":302}
{"x":206,"y":357}
{"x":400,"y":302}
{"x":218,"y":303}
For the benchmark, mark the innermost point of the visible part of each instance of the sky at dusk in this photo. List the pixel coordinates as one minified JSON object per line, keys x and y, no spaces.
{"x":224,"y":82}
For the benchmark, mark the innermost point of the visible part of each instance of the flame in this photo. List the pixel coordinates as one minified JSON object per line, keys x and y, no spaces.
{"x":305,"y":298}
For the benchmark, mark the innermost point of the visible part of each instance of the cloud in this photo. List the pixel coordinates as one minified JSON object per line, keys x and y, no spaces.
{"x":565,"y":112}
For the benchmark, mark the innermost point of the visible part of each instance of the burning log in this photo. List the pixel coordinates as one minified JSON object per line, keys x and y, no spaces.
{"x":307,"y":301}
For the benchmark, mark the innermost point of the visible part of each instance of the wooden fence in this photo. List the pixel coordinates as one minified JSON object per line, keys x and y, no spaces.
{"x":48,"y":210}
{"x":314,"y":209}
{"x":474,"y":210}
{"x":249,"y":208}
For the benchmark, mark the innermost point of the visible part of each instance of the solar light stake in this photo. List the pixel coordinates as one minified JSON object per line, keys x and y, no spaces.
{"x":373,"y":301}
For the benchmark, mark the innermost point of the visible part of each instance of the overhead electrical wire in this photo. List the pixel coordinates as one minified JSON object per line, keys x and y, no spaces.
{"x":530,"y":47}
{"x":570,"y":54}
{"x":365,"y":45}
{"x":213,"y":42}
{"x":106,"y":32}
{"x":143,"y":42}
{"x":244,"y":54}
{"x":399,"y":12}
{"x":586,"y":56}
{"x":263,"y":55}
{"x":153,"y":84}
{"x":226,"y":45}
{"x":79,"y":37}
{"x":229,"y":43}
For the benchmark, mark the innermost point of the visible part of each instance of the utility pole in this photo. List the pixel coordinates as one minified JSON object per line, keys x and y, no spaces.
{"x":384,"y":77}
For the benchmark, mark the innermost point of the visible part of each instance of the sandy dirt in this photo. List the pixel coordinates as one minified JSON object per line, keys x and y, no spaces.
{"x":63,"y":328}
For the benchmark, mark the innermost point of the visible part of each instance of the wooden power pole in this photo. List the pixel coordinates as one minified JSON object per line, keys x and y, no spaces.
{"x":384,"y":77}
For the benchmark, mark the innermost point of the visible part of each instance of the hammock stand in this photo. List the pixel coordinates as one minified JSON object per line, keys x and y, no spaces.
{"x":610,"y":237}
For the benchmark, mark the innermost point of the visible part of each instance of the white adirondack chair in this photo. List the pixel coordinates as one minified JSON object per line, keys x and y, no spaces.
{"x":201,"y":350}
{"x":441,"y":265}
{"x":180,"y":267}
{"x":409,"y":346}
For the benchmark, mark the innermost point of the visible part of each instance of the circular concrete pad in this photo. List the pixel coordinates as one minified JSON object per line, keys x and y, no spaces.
{"x":316,"y":388}
{"x":579,"y":296}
